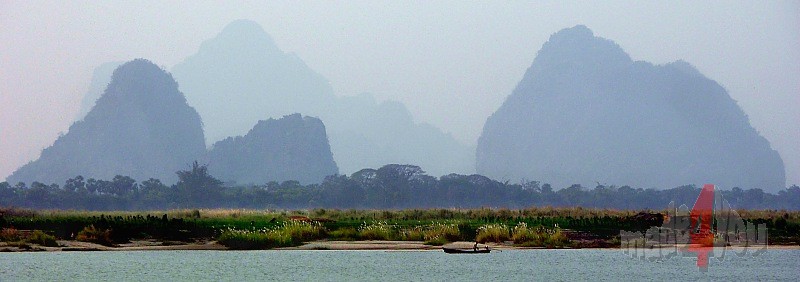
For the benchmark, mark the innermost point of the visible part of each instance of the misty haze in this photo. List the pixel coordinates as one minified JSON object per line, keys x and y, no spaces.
{"x":399,"y":140}
{"x":587,"y":111}
{"x":584,"y":117}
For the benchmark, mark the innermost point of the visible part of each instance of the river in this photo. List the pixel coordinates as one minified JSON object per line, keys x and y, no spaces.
{"x":294,"y":265}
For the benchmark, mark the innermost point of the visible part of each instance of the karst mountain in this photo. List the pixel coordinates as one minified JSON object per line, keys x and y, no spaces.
{"x":586,"y":113}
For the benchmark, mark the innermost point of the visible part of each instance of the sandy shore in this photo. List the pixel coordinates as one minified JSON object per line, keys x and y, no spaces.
{"x":390,"y":245}
{"x":152,"y":245}
{"x":143,"y":245}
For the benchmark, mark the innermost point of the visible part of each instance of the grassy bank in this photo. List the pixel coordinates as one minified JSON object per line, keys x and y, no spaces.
{"x":263,"y":229}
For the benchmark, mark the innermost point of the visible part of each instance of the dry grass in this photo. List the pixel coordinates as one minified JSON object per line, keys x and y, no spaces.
{"x":290,"y":233}
{"x":95,"y":235}
{"x":385,"y":215}
{"x":538,"y":236}
{"x":10,"y":235}
{"x":377,"y":231}
{"x":497,"y":233}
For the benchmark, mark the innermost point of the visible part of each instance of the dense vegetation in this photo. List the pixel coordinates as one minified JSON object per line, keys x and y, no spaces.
{"x":569,"y":217}
{"x":389,"y":187}
{"x":260,"y":229}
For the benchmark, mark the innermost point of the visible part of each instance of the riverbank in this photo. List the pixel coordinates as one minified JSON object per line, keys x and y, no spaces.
{"x":138,"y":245}
{"x":31,"y":230}
{"x":154,"y":245}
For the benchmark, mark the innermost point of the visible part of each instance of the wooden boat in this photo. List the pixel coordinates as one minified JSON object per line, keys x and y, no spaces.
{"x":466,"y":251}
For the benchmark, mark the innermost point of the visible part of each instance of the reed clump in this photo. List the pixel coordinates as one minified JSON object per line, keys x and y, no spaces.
{"x":415,"y":233}
{"x":435,"y":234}
{"x":288,"y":234}
{"x":379,"y":230}
{"x":41,"y":238}
{"x":538,"y":236}
{"x":497,"y":233}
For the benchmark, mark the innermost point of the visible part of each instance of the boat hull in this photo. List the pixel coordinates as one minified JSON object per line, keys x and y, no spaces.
{"x":466,"y":251}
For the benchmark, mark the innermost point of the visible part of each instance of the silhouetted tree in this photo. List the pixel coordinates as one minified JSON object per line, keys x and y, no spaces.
{"x":154,"y":194}
{"x":104,"y":187}
{"x":391,"y":186}
{"x":792,"y":195}
{"x":196,"y":187}
{"x":756,"y":197}
{"x":75,"y":184}
{"x":6,"y":193}
{"x":367,"y":179}
{"x":123,"y":185}
{"x":20,"y":186}
{"x":340,"y":191}
{"x":395,"y":182}
{"x":91,"y":185}
{"x":38,"y":194}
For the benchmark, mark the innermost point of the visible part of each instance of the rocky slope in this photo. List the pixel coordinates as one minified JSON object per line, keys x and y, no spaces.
{"x":290,"y":148}
{"x":241,"y":76}
{"x":140,"y":127}
{"x":585,"y":113}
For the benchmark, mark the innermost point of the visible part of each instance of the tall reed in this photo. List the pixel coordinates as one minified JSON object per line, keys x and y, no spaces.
{"x":288,"y":234}
{"x":496,"y":232}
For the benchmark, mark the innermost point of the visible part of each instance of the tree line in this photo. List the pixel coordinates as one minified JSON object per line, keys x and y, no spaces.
{"x":392,"y":186}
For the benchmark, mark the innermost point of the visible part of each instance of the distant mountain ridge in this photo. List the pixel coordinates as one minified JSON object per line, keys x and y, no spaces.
{"x":140,"y":127}
{"x":290,"y":148}
{"x":101,"y":76}
{"x":240,"y":77}
{"x":584,"y":112}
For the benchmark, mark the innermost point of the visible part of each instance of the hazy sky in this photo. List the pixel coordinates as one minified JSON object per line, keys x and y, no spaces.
{"x":451,"y":63}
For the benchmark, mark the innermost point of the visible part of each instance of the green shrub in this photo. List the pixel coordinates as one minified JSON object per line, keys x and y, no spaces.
{"x":435,"y":234}
{"x":289,"y":234}
{"x":440,"y":231}
{"x":497,"y":233}
{"x":556,"y":238}
{"x":345,"y":234}
{"x":529,"y":237}
{"x":539,"y":236}
{"x":41,"y":238}
{"x":415,"y":233}
{"x":94,"y":235}
{"x":376,"y":231}
{"x":300,"y":232}
{"x":250,"y":240}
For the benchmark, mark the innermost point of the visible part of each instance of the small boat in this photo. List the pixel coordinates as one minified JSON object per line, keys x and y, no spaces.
{"x":466,"y":251}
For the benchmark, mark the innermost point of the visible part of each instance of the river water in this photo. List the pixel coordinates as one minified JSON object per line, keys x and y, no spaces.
{"x":521,"y":265}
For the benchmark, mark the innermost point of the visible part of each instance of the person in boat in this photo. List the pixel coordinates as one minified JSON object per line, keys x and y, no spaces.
{"x":475,"y":247}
